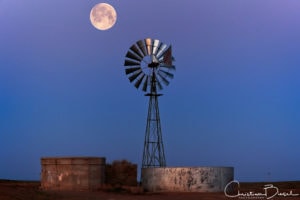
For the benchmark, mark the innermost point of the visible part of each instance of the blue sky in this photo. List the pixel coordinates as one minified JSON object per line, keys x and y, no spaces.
{"x":234,"y":100}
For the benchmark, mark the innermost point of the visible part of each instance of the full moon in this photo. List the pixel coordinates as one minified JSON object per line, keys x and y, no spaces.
{"x":103,"y":16}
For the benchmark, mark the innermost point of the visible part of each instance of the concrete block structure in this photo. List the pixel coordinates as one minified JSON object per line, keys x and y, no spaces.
{"x":186,"y":179}
{"x":72,"y":173}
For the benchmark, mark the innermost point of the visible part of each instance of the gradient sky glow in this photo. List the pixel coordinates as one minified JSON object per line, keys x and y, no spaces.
{"x":234,"y":100}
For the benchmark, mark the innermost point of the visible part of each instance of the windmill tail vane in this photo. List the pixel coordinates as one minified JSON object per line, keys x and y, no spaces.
{"x":167,"y":57}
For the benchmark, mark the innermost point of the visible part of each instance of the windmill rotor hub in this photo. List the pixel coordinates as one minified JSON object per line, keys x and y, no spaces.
{"x":153,"y":64}
{"x":149,"y":60}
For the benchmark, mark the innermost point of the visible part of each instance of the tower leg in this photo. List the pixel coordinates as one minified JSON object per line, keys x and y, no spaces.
{"x":153,"y":154}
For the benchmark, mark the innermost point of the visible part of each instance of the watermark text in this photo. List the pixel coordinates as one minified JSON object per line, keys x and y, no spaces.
{"x":269,"y":191}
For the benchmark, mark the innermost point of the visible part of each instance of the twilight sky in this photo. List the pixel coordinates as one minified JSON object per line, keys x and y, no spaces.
{"x":234,"y":100}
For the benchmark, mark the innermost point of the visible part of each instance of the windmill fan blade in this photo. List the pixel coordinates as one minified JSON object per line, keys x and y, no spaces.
{"x":172,"y":67}
{"x":131,"y":70}
{"x":164,"y":80}
{"x":134,"y":76}
{"x":159,"y":85}
{"x":166,"y":74}
{"x":142,"y":47}
{"x":161,"y":49}
{"x":130,"y":63}
{"x":166,"y":58}
{"x":149,"y":46}
{"x":145,"y":85}
{"x":136,"y":51}
{"x":149,"y":65}
{"x":133,"y":56}
{"x":155,"y":46}
{"x":138,"y":83}
{"x":156,"y":81}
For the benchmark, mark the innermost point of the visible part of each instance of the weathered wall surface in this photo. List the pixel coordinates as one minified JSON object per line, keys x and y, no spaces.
{"x":186,"y":179}
{"x":72,"y":173}
{"x":121,"y":173}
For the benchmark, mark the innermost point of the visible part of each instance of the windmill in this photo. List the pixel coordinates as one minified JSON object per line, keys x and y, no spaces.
{"x":148,"y":65}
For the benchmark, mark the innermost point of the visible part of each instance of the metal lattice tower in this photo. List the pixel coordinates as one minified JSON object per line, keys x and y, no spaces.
{"x":148,"y":64}
{"x":153,"y":154}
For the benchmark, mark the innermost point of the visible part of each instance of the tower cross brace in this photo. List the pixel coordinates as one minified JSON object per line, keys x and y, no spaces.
{"x":153,"y":154}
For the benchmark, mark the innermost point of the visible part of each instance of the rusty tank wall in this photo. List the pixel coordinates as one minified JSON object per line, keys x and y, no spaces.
{"x":186,"y":179}
{"x":72,"y":173}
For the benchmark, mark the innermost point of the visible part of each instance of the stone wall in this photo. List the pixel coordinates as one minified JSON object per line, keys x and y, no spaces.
{"x":121,"y":173}
{"x":72,"y":173}
{"x":186,"y":179}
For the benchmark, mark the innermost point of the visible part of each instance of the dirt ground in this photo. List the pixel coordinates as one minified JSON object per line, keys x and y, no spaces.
{"x":28,"y":190}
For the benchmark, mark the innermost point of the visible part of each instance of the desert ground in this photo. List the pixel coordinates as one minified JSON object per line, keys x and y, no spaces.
{"x":30,"y":190}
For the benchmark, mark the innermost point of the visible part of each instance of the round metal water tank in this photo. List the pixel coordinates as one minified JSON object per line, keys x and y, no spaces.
{"x":186,"y":179}
{"x":72,"y":173}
